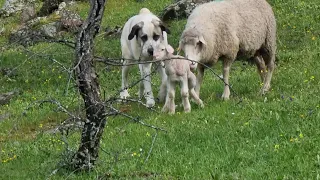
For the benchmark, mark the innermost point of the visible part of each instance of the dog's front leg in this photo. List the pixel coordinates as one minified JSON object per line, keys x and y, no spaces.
{"x":124,"y":83}
{"x":145,"y":70}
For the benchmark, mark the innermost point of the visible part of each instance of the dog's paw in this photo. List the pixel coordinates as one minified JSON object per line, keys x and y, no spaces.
{"x":124,"y":94}
{"x":150,"y":103}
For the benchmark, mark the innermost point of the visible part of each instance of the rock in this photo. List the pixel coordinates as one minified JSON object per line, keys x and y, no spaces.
{"x":49,"y":30}
{"x":34,"y":31}
{"x":9,"y":72}
{"x":6,"y":97}
{"x":180,"y":9}
{"x":70,"y":21}
{"x":28,"y":13}
{"x":13,"y":6}
{"x":4,"y":116}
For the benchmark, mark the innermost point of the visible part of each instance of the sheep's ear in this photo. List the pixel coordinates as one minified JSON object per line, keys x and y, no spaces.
{"x":170,"y":49}
{"x":135,"y":29}
{"x":201,"y":40}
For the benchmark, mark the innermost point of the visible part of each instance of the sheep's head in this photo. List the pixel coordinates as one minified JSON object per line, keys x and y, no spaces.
{"x":161,"y":51}
{"x":192,"y":44}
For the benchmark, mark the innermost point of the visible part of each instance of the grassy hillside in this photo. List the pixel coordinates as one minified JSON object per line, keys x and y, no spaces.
{"x":272,"y":137}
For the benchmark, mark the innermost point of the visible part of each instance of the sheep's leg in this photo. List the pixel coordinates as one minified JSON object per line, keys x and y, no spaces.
{"x":163,"y":86}
{"x":261,"y":67}
{"x":145,"y":70}
{"x":165,"y":107}
{"x":226,"y":71}
{"x":269,"y":58}
{"x":170,"y":105}
{"x":195,"y":97}
{"x":199,"y":78}
{"x":124,"y":82}
{"x":185,"y":94}
{"x":193,"y":94}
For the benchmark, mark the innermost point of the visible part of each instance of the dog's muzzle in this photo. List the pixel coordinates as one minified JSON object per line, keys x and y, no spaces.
{"x":150,"y":51}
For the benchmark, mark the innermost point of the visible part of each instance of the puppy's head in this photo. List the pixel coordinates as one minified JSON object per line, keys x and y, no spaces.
{"x":148,"y":34}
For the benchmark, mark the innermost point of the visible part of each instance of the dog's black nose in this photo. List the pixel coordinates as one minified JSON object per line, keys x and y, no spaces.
{"x":150,"y":51}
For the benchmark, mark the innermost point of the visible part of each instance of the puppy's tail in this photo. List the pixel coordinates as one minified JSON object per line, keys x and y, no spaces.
{"x":144,"y":11}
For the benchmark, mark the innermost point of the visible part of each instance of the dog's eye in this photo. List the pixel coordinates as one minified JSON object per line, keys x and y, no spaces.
{"x":156,"y":37}
{"x":144,"y":38}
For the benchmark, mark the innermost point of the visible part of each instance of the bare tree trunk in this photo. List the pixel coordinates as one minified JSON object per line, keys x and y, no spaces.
{"x":88,"y":85}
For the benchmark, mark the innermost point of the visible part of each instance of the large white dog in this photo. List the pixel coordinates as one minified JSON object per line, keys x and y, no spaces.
{"x":140,"y":35}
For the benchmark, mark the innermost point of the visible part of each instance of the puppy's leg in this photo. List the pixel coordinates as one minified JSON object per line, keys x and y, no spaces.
{"x":145,"y":70}
{"x":185,"y":94}
{"x":124,"y":83}
{"x":163,"y":86}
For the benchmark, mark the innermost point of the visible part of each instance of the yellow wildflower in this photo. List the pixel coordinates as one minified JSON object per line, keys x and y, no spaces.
{"x":313,"y":38}
{"x":301,"y":135}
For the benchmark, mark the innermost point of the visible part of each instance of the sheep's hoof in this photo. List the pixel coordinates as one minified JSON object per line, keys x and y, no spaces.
{"x":164,"y":109}
{"x":264,"y":91}
{"x":161,"y":98}
{"x":201,"y":104}
{"x":225,"y":98}
{"x":187,"y":110}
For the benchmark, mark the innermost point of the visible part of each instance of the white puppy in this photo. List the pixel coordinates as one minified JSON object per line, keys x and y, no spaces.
{"x":140,"y":35}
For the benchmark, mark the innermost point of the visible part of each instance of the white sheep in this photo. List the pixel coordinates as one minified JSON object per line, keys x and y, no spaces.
{"x":229,"y":29}
{"x":178,"y":70}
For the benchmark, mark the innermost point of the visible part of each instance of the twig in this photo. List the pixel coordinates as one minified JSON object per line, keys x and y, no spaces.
{"x":151,"y":147}
{"x":137,"y":120}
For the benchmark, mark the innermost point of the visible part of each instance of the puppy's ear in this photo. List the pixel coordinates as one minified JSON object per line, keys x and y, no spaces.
{"x":135,"y":29}
{"x":164,"y":28}
{"x":156,"y":22}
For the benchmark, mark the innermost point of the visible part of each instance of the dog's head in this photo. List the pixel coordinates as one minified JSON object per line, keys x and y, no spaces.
{"x":148,"y":35}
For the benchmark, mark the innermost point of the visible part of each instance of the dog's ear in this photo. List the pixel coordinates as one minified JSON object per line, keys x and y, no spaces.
{"x":135,"y":29}
{"x":159,"y":23}
{"x":164,"y":28}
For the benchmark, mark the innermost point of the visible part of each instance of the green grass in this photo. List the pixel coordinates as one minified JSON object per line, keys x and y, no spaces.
{"x":271,"y":137}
